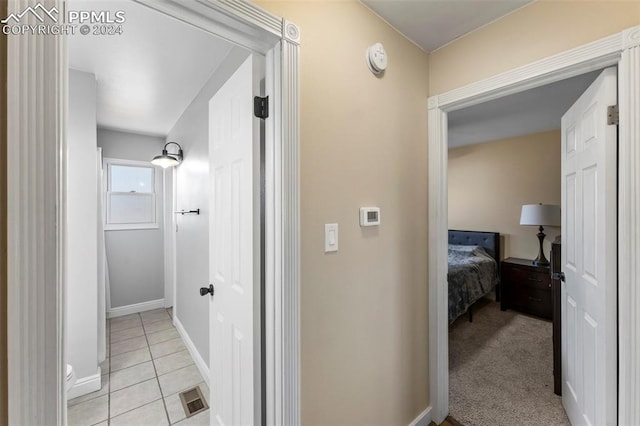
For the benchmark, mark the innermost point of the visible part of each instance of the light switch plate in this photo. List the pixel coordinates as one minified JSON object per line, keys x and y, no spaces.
{"x":330,"y":237}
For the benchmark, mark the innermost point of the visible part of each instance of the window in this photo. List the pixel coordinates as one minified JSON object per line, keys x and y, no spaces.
{"x":132,"y":195}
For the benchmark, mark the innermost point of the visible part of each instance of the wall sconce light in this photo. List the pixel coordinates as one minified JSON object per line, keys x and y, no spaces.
{"x":166,"y":159}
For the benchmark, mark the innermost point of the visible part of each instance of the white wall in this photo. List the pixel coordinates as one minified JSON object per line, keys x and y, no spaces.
{"x":192,"y":237}
{"x":82,"y":231}
{"x":135,"y":257}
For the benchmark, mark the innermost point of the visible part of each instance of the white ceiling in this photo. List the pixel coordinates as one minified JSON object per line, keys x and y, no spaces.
{"x":149,"y":75}
{"x":434,"y":23}
{"x":533,"y":111}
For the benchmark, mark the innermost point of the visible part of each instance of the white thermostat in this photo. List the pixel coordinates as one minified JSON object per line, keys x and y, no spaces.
{"x":369,"y":216}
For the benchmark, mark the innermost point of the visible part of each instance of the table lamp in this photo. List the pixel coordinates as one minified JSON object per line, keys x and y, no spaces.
{"x":540,"y":215}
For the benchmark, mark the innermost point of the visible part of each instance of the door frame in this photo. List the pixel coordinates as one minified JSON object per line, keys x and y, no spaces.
{"x":169,"y":186}
{"x":621,"y":49}
{"x":37,"y":82}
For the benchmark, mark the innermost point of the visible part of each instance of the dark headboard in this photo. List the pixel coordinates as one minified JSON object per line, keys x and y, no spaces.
{"x":490,"y":241}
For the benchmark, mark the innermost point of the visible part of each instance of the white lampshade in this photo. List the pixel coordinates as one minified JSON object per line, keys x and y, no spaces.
{"x":540,"y":215}
{"x":165,"y":161}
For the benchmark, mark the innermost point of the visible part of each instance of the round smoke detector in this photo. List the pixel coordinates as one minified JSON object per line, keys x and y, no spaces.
{"x":377,"y":58}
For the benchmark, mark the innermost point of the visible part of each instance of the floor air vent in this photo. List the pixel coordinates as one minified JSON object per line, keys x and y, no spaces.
{"x":193,"y":402}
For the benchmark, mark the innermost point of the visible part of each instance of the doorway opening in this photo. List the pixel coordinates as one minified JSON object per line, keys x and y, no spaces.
{"x":140,"y":92}
{"x":36,"y":334}
{"x":612,"y":50}
{"x":504,"y":159}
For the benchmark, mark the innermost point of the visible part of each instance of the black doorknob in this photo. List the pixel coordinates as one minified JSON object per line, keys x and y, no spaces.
{"x":206,"y":290}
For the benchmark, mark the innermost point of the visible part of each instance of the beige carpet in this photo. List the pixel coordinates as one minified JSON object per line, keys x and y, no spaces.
{"x":501,"y":370}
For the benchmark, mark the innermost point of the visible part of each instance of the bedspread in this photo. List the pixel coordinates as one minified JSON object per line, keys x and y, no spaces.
{"x":472,"y":274}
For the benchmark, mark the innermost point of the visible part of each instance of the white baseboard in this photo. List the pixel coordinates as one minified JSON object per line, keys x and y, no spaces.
{"x":197,"y":358}
{"x":135,"y":308}
{"x":85,"y":385}
{"x":423,"y":418}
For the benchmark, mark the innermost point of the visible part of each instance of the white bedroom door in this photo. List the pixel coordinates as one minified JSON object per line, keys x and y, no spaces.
{"x":234,"y":256}
{"x":589,"y":256}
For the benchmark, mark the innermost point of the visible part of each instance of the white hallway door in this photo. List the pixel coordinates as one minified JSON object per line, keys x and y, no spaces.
{"x":234,"y":257}
{"x":589,"y":256}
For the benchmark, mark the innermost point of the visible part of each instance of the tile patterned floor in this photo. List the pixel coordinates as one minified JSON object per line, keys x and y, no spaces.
{"x":148,"y":366}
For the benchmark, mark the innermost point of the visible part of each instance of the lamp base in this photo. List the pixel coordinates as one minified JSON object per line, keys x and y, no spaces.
{"x":541,"y":260}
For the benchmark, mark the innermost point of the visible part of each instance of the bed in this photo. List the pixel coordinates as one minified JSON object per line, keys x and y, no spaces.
{"x":474,"y":259}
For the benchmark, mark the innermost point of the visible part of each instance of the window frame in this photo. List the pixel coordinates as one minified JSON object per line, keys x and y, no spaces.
{"x":156,"y":195}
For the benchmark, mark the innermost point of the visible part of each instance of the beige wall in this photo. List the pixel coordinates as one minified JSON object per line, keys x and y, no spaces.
{"x":363,"y":143}
{"x":489,"y":183}
{"x":542,"y":29}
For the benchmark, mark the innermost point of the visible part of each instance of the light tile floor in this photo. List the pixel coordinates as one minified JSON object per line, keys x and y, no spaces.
{"x":148,"y":366}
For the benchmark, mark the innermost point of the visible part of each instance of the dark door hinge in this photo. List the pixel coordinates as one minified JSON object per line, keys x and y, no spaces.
{"x":261,"y":107}
{"x":613,"y":115}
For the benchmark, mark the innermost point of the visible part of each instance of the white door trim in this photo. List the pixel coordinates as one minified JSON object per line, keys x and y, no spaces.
{"x":37,"y":93}
{"x":36,"y":222}
{"x":169,"y":236}
{"x":621,"y":49}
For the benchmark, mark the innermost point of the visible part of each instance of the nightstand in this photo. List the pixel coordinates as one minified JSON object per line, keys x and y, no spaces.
{"x":526,"y":287}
